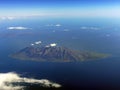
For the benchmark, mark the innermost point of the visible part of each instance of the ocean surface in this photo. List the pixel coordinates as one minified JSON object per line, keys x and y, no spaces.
{"x":80,"y":34}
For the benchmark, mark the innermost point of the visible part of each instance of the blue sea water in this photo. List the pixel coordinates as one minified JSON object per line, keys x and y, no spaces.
{"x":85,"y":35}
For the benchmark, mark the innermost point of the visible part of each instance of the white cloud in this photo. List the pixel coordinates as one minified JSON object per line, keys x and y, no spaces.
{"x":47,"y":46}
{"x":84,"y":28}
{"x":53,"y":44}
{"x":38,"y":42}
{"x":94,"y":28}
{"x":32,"y":44}
{"x":7,"y":18}
{"x":49,"y":25}
{"x":58,"y":25}
{"x":3,"y":18}
{"x":66,"y":30}
{"x":90,"y":28}
{"x":18,"y":28}
{"x":53,"y":25}
{"x":7,"y":80}
{"x":10,"y":18}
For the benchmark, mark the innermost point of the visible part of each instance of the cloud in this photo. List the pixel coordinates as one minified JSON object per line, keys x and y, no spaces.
{"x":58,"y":25}
{"x":13,"y":81}
{"x":84,"y":28}
{"x":54,"y":25}
{"x":32,"y":44}
{"x":3,"y":18}
{"x":7,"y":18}
{"x":66,"y":30}
{"x":38,"y":42}
{"x":49,"y":25}
{"x":10,"y":18}
{"x":94,"y":28}
{"x":18,"y":28}
{"x":51,"y":45}
{"x":89,"y":28}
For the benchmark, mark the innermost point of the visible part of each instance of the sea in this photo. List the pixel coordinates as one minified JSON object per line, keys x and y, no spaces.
{"x":84,"y":34}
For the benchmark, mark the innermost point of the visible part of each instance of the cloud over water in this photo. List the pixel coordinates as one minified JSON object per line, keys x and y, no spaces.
{"x":13,"y":81}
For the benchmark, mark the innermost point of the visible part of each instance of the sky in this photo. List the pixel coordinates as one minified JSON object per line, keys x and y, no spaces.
{"x":60,"y":8}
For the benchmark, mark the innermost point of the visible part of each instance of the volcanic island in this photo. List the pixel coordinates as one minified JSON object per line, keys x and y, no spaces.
{"x":54,"y":53}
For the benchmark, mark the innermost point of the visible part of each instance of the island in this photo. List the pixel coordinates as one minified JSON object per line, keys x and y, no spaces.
{"x":55,"y":53}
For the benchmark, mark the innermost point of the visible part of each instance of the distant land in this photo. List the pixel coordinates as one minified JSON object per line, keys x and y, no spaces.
{"x":55,"y":53}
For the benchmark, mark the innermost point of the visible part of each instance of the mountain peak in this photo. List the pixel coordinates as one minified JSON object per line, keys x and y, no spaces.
{"x":54,"y":53}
